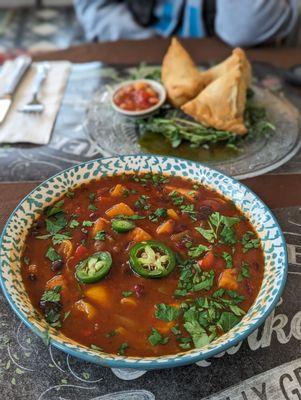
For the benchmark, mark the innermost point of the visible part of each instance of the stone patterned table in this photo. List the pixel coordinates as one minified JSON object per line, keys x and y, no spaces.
{"x":266,"y":366}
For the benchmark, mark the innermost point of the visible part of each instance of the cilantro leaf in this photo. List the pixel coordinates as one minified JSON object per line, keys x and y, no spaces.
{"x":244,"y":273}
{"x":123,"y":347}
{"x":52,"y":255}
{"x":100,"y":235}
{"x":197,"y":251}
{"x":127,"y":293}
{"x":159,"y":213}
{"x":92,"y":207}
{"x":199,"y":335}
{"x":166,"y":312}
{"x":156,"y":338}
{"x":249,"y":241}
{"x":73,"y":224}
{"x":227,"y":321}
{"x":60,"y":237}
{"x":55,"y":209}
{"x":52,"y":295}
{"x":228,"y":258}
{"x":87,"y":223}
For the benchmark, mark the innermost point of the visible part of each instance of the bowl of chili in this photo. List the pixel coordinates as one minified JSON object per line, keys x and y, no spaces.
{"x":136,"y":98}
{"x":232,"y":227}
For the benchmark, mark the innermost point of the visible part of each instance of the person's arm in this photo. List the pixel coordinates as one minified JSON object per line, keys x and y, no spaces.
{"x":248,"y":23}
{"x":108,"y":20}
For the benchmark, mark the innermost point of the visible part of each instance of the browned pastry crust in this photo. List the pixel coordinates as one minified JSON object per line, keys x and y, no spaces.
{"x":180,"y":76}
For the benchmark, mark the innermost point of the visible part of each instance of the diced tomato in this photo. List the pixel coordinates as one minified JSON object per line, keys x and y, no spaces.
{"x":136,"y":96}
{"x":80,"y":251}
{"x":208,"y":261}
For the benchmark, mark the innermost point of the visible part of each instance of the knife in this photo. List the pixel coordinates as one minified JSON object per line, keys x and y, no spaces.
{"x":20,"y":66}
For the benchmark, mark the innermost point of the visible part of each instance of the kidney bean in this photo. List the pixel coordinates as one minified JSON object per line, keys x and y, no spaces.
{"x":57,"y":265}
{"x":139,"y":290}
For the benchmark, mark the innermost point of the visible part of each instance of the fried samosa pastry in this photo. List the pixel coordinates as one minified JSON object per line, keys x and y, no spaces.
{"x":222,"y":103}
{"x":180,"y":76}
{"x":238,"y":57}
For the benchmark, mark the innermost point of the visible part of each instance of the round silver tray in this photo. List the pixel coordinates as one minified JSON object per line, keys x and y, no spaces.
{"x":114,"y":134}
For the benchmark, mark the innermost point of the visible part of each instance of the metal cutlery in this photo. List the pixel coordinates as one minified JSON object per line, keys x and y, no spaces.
{"x":21,"y":65}
{"x":34,"y":105}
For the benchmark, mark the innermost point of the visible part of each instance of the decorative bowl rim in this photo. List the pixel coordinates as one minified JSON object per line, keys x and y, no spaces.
{"x":148,"y":363}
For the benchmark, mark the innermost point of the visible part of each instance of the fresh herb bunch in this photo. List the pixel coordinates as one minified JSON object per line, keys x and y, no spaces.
{"x":177,"y":129}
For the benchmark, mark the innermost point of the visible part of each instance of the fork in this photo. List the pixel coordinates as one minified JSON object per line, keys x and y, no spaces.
{"x":34,"y":105}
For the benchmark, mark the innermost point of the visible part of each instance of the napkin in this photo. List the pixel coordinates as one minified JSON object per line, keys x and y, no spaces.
{"x":34,"y":128}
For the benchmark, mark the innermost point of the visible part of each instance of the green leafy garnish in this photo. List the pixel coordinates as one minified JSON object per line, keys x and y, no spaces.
{"x":92,"y":207}
{"x":60,"y":237}
{"x":227,"y":321}
{"x":158,"y":213}
{"x":219,"y":225}
{"x":156,"y":338}
{"x":197,"y":251}
{"x":111,"y":334}
{"x":55,"y":209}
{"x":250,"y":241}
{"x":52,"y":295}
{"x":123,"y":347}
{"x":244,"y":273}
{"x":100,"y":235}
{"x":73,"y":224}
{"x":228,"y":258}
{"x":193,"y":279}
{"x":129,"y":217}
{"x":166,"y":312}
{"x":142,"y":202}
{"x":87,"y":223}
{"x":52,"y":255}
{"x":176,"y":198}
{"x":26,"y":260}
{"x":190,"y":210}
{"x":127,"y":293}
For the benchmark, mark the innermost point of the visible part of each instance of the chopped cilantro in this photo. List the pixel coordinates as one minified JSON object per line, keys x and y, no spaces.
{"x":73,"y":223}
{"x":159,"y":213}
{"x":228,"y":258}
{"x":66,"y":315}
{"x":92,"y":196}
{"x":55,"y":209}
{"x":249,"y":241}
{"x":227,"y":321}
{"x":222,"y":223}
{"x":244,"y":273}
{"x":142,"y":202}
{"x":123,"y":347}
{"x":127,"y":293}
{"x":175,"y":330}
{"x":92,"y":207}
{"x":189,"y":209}
{"x":193,"y":279}
{"x":70,"y":194}
{"x":156,"y":338}
{"x":166,"y":312}
{"x":197,"y":251}
{"x":52,"y":255}
{"x":176,"y":198}
{"x":100,"y":235}
{"x":52,"y":295}
{"x":60,"y":237}
{"x":87,"y":223}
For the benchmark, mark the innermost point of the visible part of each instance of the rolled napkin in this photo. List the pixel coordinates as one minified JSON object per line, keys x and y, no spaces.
{"x":34,"y":128}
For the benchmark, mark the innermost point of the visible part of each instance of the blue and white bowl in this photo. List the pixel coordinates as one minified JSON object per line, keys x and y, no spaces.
{"x":264,"y":222}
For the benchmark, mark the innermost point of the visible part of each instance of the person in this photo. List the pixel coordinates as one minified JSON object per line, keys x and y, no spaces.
{"x":237,"y":22}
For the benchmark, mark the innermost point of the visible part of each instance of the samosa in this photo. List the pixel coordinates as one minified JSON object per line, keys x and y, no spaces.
{"x":180,"y":76}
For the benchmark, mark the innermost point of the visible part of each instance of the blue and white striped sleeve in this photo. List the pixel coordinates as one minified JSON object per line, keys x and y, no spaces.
{"x":108,"y":20}
{"x":248,"y":23}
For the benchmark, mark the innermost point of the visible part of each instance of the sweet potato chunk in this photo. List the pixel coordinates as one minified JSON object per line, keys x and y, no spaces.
{"x":228,"y":279}
{"x":118,"y":190}
{"x":128,"y":301}
{"x":139,"y":235}
{"x":86,"y":308}
{"x":172,"y":214}
{"x":119,"y":209}
{"x":166,"y":227}
{"x":99,"y":225}
{"x":98,"y":294}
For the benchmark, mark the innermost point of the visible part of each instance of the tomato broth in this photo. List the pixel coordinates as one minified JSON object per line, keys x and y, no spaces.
{"x":142,"y":265}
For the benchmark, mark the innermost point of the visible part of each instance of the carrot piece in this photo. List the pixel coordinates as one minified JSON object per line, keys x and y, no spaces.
{"x":228,"y":279}
{"x":172,"y":214}
{"x":166,"y":227}
{"x":99,"y":225}
{"x":139,"y":235}
{"x":163,"y":326}
{"x":119,"y":209}
{"x":118,"y":190}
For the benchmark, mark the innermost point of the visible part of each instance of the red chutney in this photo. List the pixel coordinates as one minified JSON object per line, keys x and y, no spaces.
{"x":142,"y":265}
{"x":136,"y":96}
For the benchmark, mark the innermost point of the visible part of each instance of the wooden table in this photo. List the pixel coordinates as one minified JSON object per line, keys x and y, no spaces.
{"x":255,"y":368}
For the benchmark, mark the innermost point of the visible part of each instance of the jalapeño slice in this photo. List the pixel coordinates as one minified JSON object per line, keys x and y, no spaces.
{"x":122,"y":225}
{"x":94,"y":268}
{"x":152,"y":259}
